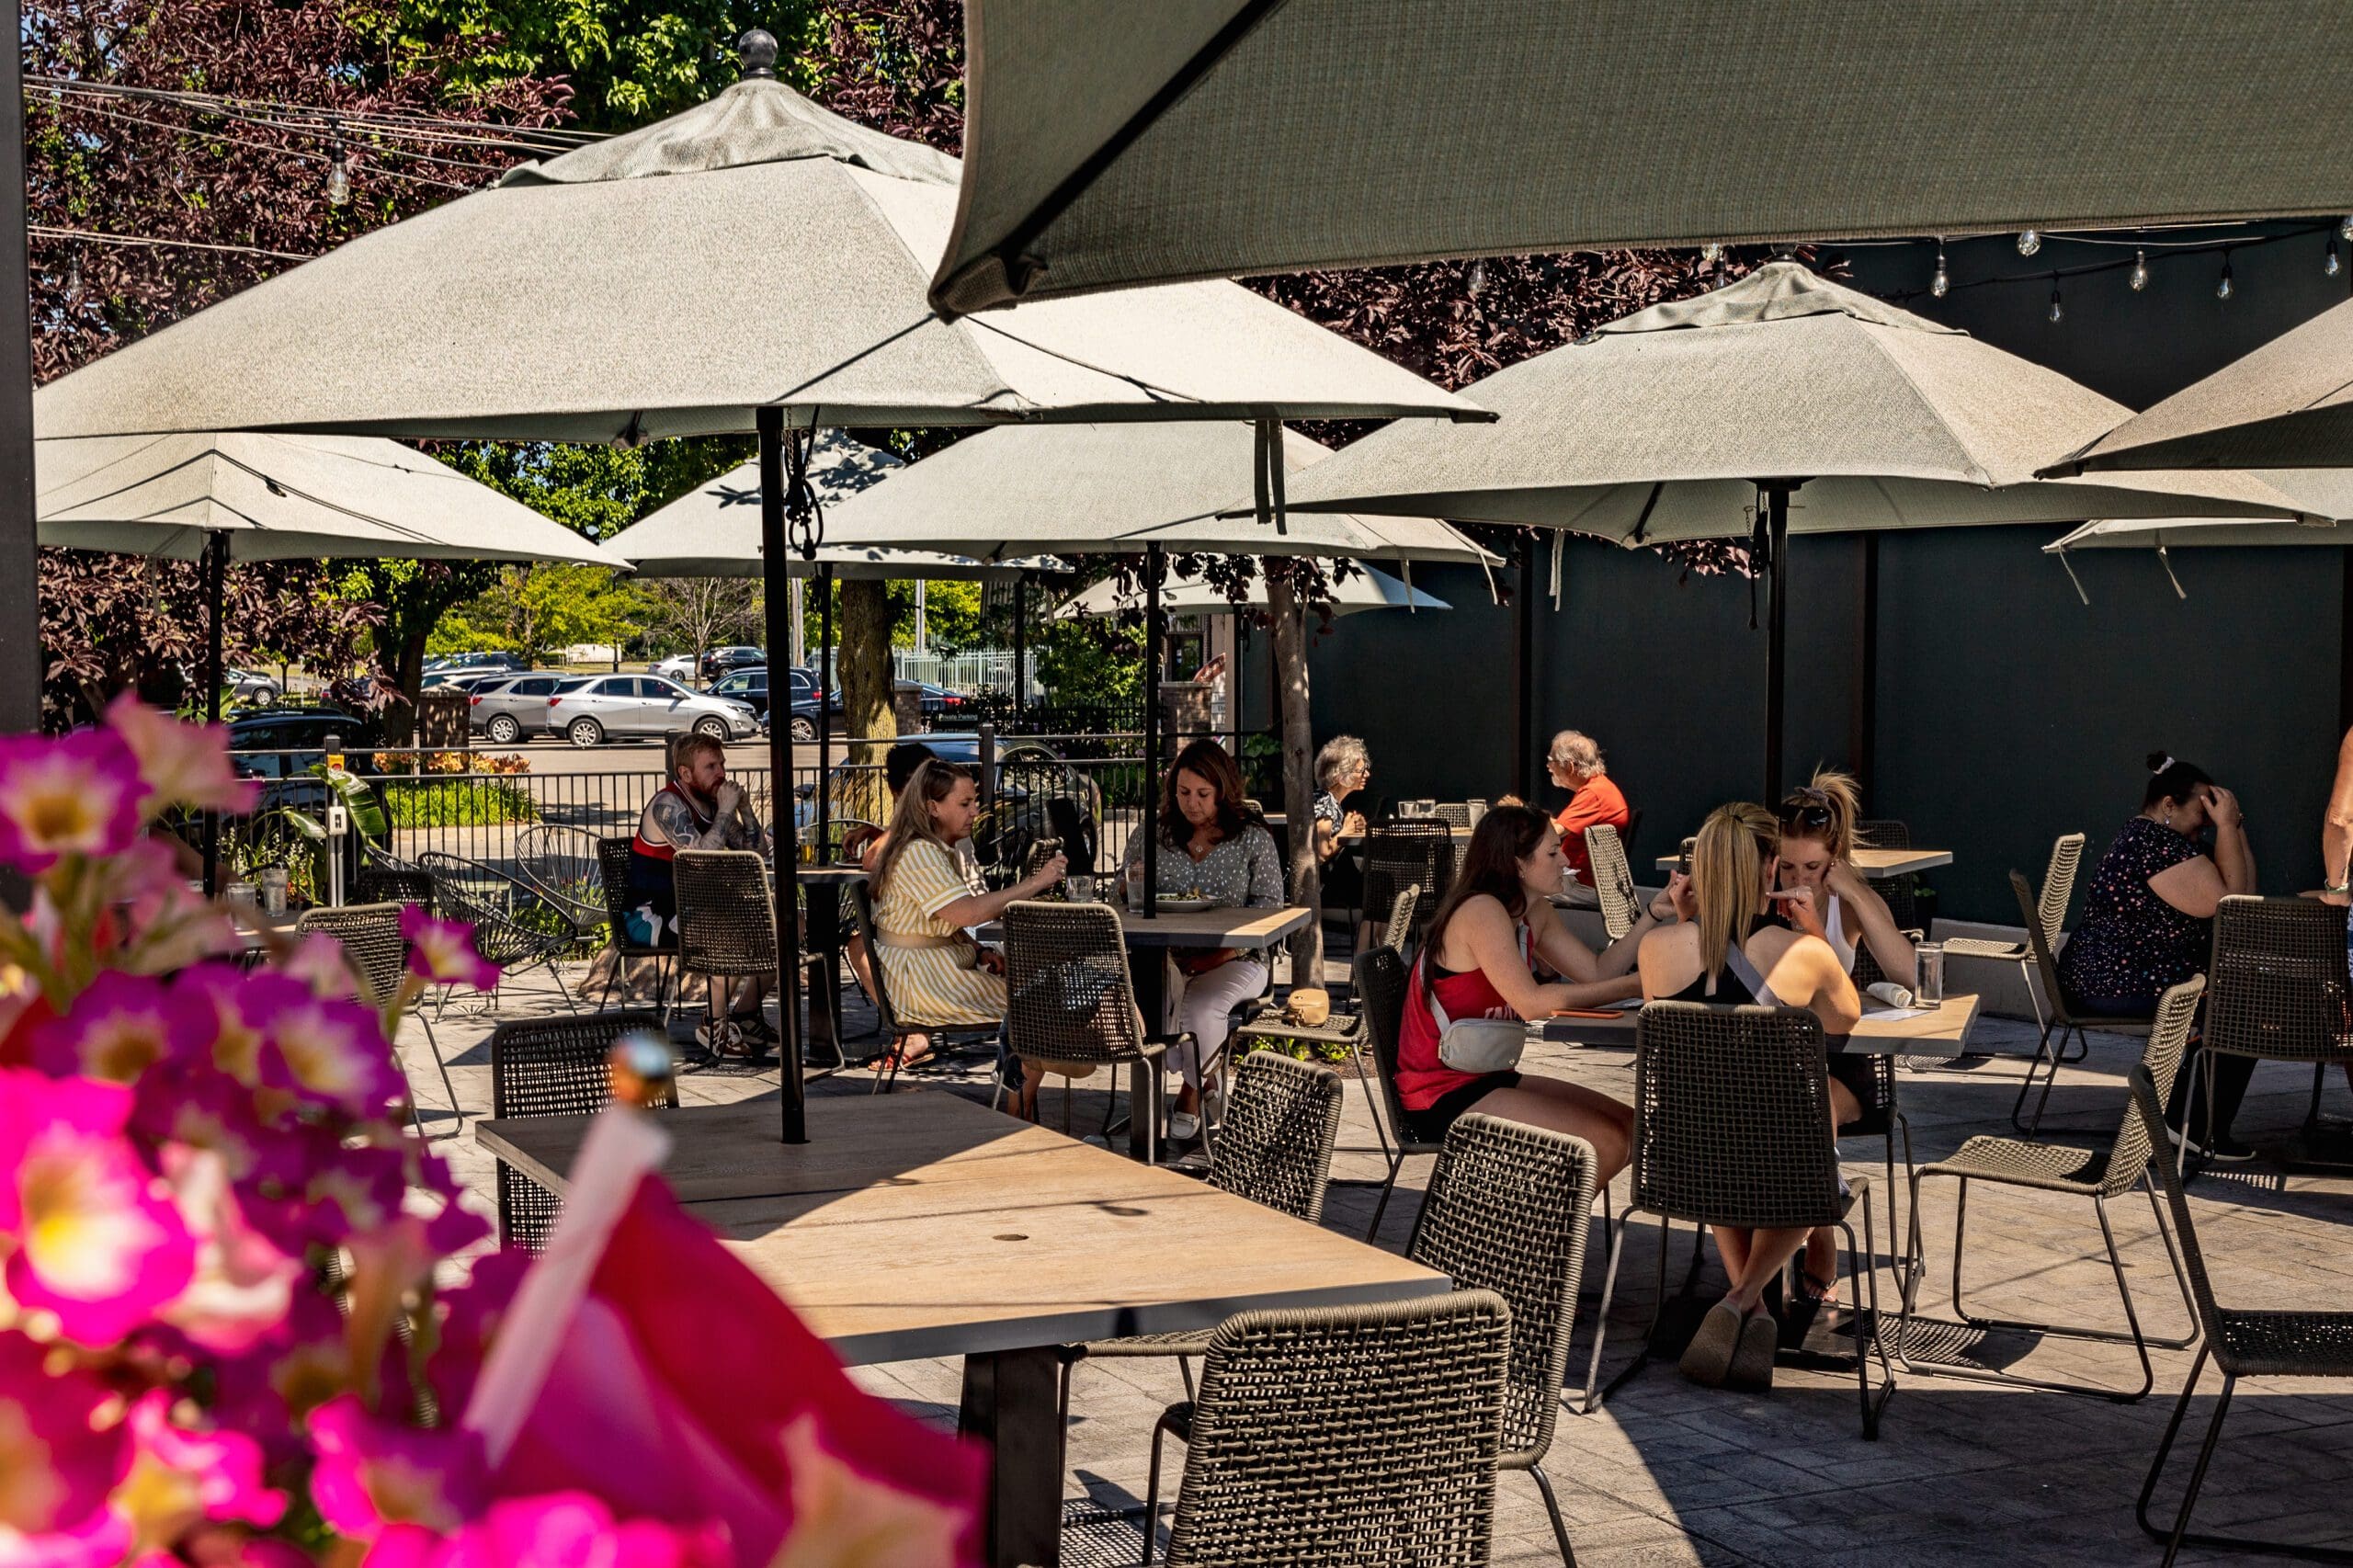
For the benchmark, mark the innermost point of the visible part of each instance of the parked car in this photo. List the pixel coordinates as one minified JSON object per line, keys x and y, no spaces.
{"x":717,"y":662}
{"x":464,"y":678}
{"x":681,"y":667}
{"x":1040,"y":794}
{"x":513,"y":707}
{"x":632,"y":706}
{"x":304,"y":732}
{"x":250,"y":688}
{"x":752,"y":687}
{"x":498,"y":659}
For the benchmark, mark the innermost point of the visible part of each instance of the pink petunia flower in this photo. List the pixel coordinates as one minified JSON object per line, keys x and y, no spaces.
{"x":78,"y":795}
{"x":181,"y":1478}
{"x":373,"y":1474}
{"x":559,"y":1529}
{"x":166,"y":925}
{"x":121,"y":1027}
{"x":469,"y":1316}
{"x":181,"y":764}
{"x":319,"y":962}
{"x":242,"y":1285}
{"x":58,"y":1461}
{"x":241,"y":1006}
{"x":335,"y":1051}
{"x":443,"y":951}
{"x":297,"y":1366}
{"x":98,"y":1242}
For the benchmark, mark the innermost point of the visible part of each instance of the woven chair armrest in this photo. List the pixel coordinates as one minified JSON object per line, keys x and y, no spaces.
{"x":1985,"y":947}
{"x":1188,"y":1342}
{"x":1339,"y":1029}
{"x":1178,"y":1421}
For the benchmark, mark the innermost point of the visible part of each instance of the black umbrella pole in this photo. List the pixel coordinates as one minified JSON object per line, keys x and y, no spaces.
{"x":1152,"y":657}
{"x":780,"y":795}
{"x":1021,"y":643}
{"x":1776,"y":619}
{"x":216,"y":574}
{"x":825,"y":703}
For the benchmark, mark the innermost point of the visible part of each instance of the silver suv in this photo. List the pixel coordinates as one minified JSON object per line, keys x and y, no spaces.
{"x":512,"y":709}
{"x":619,"y":706}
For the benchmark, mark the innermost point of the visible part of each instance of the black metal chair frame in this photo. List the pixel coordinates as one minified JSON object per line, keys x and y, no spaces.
{"x":370,"y":935}
{"x":946,"y":1039}
{"x":612,"y":869}
{"x":498,"y":936}
{"x":2280,"y":993}
{"x":2060,"y":1021}
{"x":2098,"y":1173}
{"x":552,"y":1067}
{"x":1408,"y":851}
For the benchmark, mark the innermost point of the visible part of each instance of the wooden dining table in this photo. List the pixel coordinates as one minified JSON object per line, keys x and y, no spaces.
{"x":1941,"y":1030}
{"x":920,"y":1224}
{"x":1873,"y":865}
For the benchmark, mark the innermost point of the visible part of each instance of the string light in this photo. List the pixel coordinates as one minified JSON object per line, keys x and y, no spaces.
{"x":1941,"y":284}
{"x":2029,"y":241}
{"x":2332,"y":267}
{"x":2055,"y":312}
{"x":2139,"y":277}
{"x":1478,"y":279}
{"x":2225,"y":288}
{"x":2345,"y":228}
{"x":1711,"y":255}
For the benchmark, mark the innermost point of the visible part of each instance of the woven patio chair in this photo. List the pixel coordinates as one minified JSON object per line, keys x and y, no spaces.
{"x":1732,"y":1127}
{"x":2279,"y":992}
{"x":2049,"y":914}
{"x":1613,"y":880}
{"x":514,"y":928}
{"x":370,"y":935}
{"x":2097,"y":1174}
{"x":387,"y":884}
{"x":945,"y":1037}
{"x":1276,"y":1151}
{"x":552,"y":1067}
{"x":726,"y":918}
{"x":612,"y":874}
{"x":2061,"y":1020}
{"x":1071,"y":1004}
{"x":1381,"y":978}
{"x":1454,"y":813}
{"x":1351,"y":1029}
{"x":1408,"y":852}
{"x":1900,"y":893}
{"x":2241,"y":1343}
{"x":1506,"y":1212}
{"x":1344,"y":1436}
{"x":1399,"y":932}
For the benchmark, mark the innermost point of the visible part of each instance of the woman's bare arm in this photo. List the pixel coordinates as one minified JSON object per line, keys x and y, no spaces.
{"x":1875,"y":924}
{"x":2195,"y":886}
{"x":1482,"y":931}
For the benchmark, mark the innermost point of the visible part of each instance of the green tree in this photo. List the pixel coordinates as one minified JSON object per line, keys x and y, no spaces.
{"x":538,"y":610}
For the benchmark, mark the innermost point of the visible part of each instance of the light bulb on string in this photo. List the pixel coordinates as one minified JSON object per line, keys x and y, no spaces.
{"x":74,"y":276}
{"x":2029,"y":241}
{"x":1711,"y":255}
{"x":339,"y":181}
{"x":2139,"y":277}
{"x":1477,"y":282}
{"x":2345,"y":228}
{"x":2223,"y":288}
{"x":2055,"y":312}
{"x":1941,"y":284}
{"x":2331,"y":267}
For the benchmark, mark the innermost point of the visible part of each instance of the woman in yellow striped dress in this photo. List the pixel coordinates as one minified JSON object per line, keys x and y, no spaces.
{"x":926,"y":895}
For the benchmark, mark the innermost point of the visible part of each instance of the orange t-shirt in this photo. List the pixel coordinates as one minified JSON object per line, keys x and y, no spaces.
{"x":1596,"y":800}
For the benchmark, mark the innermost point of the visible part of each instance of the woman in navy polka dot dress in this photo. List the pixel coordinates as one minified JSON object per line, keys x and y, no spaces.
{"x":2149,"y":923}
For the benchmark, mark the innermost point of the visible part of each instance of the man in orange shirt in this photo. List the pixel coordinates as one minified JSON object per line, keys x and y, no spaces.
{"x":1576,"y":766}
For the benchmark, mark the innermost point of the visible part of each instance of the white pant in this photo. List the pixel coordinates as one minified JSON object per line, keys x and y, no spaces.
{"x":1203,"y":1004}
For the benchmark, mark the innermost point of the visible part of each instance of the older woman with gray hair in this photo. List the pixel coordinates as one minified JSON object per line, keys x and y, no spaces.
{"x":1575,"y":765}
{"x":1342,"y":769}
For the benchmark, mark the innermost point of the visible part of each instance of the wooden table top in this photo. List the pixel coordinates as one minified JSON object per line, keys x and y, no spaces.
{"x":1873,"y":864}
{"x":834,"y":874}
{"x":920,"y":1224}
{"x":1244,"y":928}
{"x":1921,"y":1032}
{"x":256,"y":928}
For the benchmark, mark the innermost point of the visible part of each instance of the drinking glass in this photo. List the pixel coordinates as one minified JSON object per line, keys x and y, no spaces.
{"x":1079,"y":889}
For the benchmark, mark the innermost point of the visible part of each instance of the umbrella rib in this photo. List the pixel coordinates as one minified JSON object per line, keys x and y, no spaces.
{"x":1160,"y":393}
{"x":401,"y":529}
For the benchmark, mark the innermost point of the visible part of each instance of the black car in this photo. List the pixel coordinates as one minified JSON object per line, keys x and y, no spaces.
{"x":514,"y":664}
{"x":750,"y":686}
{"x":304,"y":732}
{"x":717,"y":662}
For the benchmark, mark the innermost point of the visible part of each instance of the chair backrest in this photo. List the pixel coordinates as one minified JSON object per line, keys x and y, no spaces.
{"x":1348,"y":1437}
{"x":1887,"y":833}
{"x":1281,"y":1121}
{"x":2059,"y":886}
{"x":1041,"y":850}
{"x":2149,"y":1108}
{"x":1400,"y":930}
{"x":1506,"y":1212}
{"x":385,"y":884}
{"x":369,"y":934}
{"x":1380,"y":984}
{"x":1408,"y":852}
{"x":2278,"y":979}
{"x":1613,"y":880}
{"x":552,"y":1067}
{"x":1454,"y":813}
{"x":2161,"y":1058}
{"x":1068,"y":994}
{"x":2046,"y":963}
{"x":612,"y":876}
{"x":1732,"y":1117}
{"x":726,"y":912}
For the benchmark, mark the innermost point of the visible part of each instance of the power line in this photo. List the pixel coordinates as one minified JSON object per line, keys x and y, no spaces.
{"x":392,"y":122}
{"x":93,"y":236}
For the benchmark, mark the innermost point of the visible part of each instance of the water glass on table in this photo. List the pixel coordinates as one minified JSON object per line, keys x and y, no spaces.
{"x":1079,"y":888}
{"x":1928,"y":974}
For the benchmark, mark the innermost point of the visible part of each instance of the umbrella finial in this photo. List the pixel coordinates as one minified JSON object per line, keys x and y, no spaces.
{"x":757,"y":51}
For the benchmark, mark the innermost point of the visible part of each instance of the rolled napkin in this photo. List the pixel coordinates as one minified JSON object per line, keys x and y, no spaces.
{"x":1887,"y":991}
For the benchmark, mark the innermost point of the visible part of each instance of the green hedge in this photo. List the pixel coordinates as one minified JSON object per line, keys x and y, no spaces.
{"x":457,"y":802}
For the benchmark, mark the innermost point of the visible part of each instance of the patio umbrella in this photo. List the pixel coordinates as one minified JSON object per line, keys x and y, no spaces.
{"x":752,"y":263}
{"x":1362,"y":590}
{"x":1783,"y":402}
{"x":1113,"y":145}
{"x":2325,"y":496}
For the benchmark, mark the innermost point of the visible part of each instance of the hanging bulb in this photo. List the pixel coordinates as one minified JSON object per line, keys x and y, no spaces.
{"x":2029,"y":241}
{"x":2345,"y":228}
{"x":2140,"y":278}
{"x":339,"y":181}
{"x":74,"y":276}
{"x":2223,"y":289}
{"x":2331,"y":267}
{"x":1478,"y":279}
{"x":2055,"y":312}
{"x":1941,"y":284}
{"x":1711,"y":255}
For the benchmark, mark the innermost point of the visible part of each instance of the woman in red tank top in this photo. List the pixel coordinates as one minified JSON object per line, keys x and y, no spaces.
{"x":1478,"y":959}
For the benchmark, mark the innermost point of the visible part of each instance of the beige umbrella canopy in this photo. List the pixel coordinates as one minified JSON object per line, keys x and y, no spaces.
{"x":1364,"y":589}
{"x":2325,"y":497}
{"x":1115,"y":146}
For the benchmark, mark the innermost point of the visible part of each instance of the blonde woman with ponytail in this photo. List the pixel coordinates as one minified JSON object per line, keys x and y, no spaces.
{"x":1727,"y":905}
{"x":1816,"y":857}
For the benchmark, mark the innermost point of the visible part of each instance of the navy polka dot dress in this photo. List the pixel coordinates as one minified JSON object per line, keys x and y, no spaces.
{"x":2133,"y":944}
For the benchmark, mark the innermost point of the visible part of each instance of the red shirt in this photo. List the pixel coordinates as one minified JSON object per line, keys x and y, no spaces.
{"x":1596,"y":800}
{"x":1422,"y":1078}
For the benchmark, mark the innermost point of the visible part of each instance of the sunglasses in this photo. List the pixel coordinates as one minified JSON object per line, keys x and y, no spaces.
{"x":1809,"y":816}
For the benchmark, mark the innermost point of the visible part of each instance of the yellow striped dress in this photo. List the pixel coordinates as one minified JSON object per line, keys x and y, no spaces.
{"x":929,"y":964}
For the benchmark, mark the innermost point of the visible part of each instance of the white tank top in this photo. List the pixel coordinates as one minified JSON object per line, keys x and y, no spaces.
{"x":1835,"y":932}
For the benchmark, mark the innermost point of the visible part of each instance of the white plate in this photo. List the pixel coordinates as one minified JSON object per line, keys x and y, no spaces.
{"x":1185,"y":905}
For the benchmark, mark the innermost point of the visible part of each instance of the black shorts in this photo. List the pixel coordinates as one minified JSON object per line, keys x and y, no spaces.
{"x":1429,"y":1125}
{"x":1859,"y":1073}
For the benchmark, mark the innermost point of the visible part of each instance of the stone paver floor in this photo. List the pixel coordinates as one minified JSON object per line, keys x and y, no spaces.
{"x":1668,"y":1472}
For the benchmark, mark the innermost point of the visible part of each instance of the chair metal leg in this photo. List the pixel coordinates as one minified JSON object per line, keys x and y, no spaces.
{"x":1185,"y":1370}
{"x":1151,"y":1496}
{"x":2180,"y":1274}
{"x":1396,"y":1163}
{"x":1372,"y":1095}
{"x":2033,"y":997}
{"x":2180,"y":1534}
{"x":1553,"y":1507}
{"x":2198,"y":1473}
{"x":1617,"y":1233}
{"x":561,"y":988}
{"x":434,"y":1046}
{"x":1862,"y":1268}
{"x":2033,"y":1067}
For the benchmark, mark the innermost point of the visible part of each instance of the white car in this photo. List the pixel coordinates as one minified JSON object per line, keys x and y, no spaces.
{"x":679,"y":667}
{"x":649,"y":706}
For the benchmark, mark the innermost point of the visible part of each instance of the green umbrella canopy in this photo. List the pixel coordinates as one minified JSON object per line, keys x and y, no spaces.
{"x":754,"y":251}
{"x":1660,"y":425}
{"x":1116,"y":145}
{"x":1364,"y":589}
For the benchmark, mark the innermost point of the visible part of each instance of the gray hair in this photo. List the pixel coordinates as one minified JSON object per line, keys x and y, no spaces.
{"x":1576,"y":751}
{"x":1341,"y":753}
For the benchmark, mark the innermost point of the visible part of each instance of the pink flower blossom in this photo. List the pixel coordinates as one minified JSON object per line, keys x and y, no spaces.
{"x":79,"y":795}
{"x":299,"y":1365}
{"x":242,"y":1006}
{"x":443,"y":951}
{"x":373,"y":1474}
{"x":561,"y":1529}
{"x":58,"y":1461}
{"x":181,"y":1478}
{"x":469,"y":1316}
{"x":121,"y":1027}
{"x":97,"y":1241}
{"x":243,"y":1285}
{"x":319,"y":962}
{"x":181,"y":764}
{"x":335,"y":1051}
{"x":169,"y":925}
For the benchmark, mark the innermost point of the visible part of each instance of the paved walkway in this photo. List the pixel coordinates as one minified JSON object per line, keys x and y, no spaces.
{"x":1672,"y":1474}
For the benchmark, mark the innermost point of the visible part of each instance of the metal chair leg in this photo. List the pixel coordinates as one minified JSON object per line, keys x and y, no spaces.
{"x":1396,"y":1163}
{"x":2180,"y":1531}
{"x":434,"y":1046}
{"x":1151,"y":1496}
{"x":1553,"y":1507}
{"x":1863,"y":1269}
{"x":2051,"y":1053}
{"x":1616,"y":1232}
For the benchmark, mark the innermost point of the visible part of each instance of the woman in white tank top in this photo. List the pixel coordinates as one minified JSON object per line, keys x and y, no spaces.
{"x":1817,"y":856}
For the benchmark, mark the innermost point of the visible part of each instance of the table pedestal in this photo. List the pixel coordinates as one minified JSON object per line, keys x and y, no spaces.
{"x":823,"y":928}
{"x":1012,"y":1402}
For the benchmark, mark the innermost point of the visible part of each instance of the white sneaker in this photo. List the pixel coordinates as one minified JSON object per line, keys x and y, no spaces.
{"x":1183,"y":1127}
{"x":1213,"y":1104}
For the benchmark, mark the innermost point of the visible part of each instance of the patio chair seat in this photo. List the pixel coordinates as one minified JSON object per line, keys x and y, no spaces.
{"x":2286,"y":1344}
{"x":2053,"y":1167}
{"x":1178,"y":1342}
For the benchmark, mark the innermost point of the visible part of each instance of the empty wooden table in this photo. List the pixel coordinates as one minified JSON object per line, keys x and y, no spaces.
{"x":1941,"y":1030}
{"x":1874,"y":865}
{"x":920,"y":1224}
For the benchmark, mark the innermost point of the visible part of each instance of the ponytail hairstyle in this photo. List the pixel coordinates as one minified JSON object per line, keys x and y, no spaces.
{"x":911,"y":817}
{"x":2172,"y":780}
{"x":1505,"y":836}
{"x":1728,"y":873}
{"x":1825,"y":810}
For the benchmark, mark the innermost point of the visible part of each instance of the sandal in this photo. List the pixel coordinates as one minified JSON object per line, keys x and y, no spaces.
{"x":1820,"y":1294}
{"x":724,"y":1043}
{"x":891,"y":1061}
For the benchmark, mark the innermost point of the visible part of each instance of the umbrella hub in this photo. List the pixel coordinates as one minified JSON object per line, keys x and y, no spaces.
{"x":1780,"y":290}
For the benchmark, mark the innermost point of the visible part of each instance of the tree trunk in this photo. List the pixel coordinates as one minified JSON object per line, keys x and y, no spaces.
{"x":408,"y":675}
{"x":1290,"y":617}
{"x":865,"y":670}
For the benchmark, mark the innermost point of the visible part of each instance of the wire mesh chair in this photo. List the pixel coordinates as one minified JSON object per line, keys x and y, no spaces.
{"x":1399,"y":932}
{"x":1613,"y":880}
{"x":727,"y":920}
{"x":1731,"y":1128}
{"x":1902,"y":894}
{"x":552,"y":1067}
{"x":2062,"y":1020}
{"x":1454,"y":813}
{"x":945,"y":1038}
{"x":2049,"y":914}
{"x":387,"y":884}
{"x":1346,"y":1437}
{"x":612,"y":875}
{"x":1070,"y":1003}
{"x":1380,"y":984}
{"x":513,"y":926}
{"x":1506,"y":1212}
{"x":564,"y":865}
{"x":2097,"y":1174}
{"x":1408,"y":852}
{"x":2241,"y":1343}
{"x":2280,"y":991}
{"x":370,"y":935}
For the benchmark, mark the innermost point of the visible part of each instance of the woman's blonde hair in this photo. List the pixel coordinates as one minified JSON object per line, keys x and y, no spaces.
{"x":911,"y":818}
{"x":1728,"y":873}
{"x":1826,"y":809}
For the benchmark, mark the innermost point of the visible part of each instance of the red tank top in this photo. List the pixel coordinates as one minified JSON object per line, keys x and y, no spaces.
{"x":1422,"y":1078}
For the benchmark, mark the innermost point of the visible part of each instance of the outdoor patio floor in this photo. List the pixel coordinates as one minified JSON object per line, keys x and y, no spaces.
{"x":1669,"y":1472}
